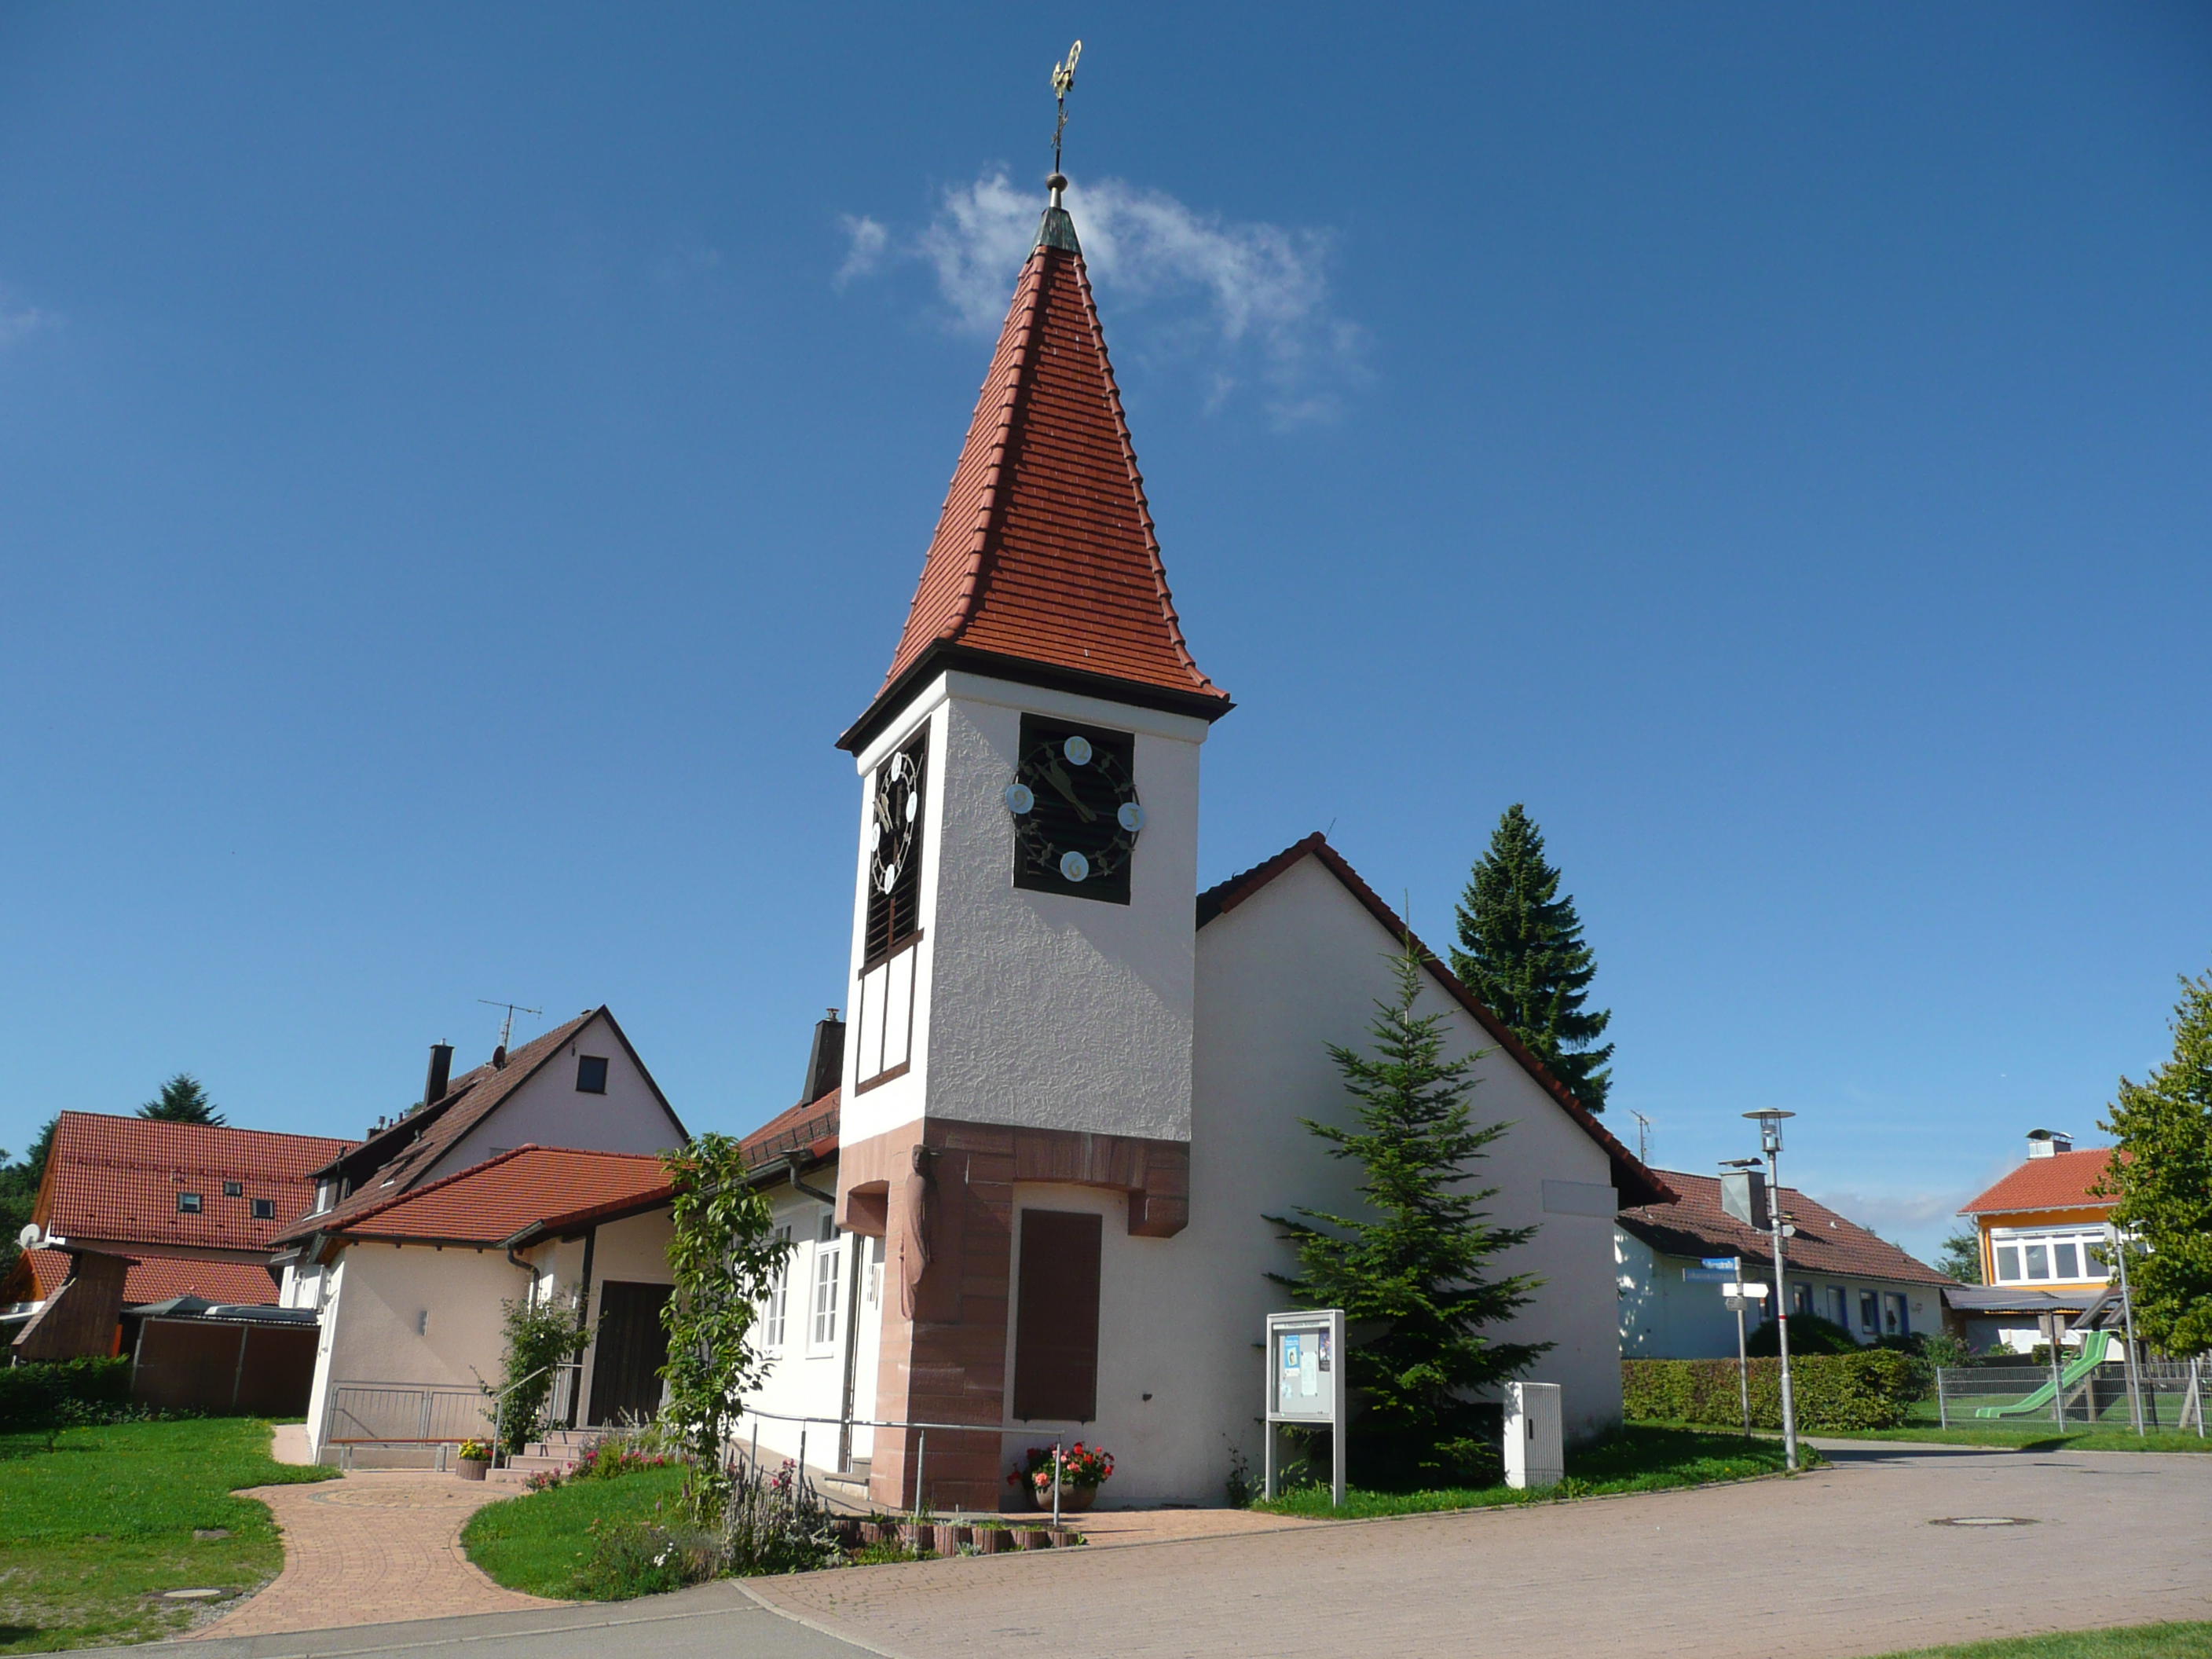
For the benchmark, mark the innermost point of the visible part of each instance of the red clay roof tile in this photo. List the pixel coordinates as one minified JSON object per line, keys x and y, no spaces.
{"x":491,"y":1202}
{"x":1825,"y":1242}
{"x":119,"y":1178}
{"x":1045,"y":551}
{"x":156,"y":1278}
{"x":2060,"y":1181}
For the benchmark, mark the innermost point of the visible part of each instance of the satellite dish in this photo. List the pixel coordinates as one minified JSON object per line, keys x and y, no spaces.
{"x":30,"y":1238}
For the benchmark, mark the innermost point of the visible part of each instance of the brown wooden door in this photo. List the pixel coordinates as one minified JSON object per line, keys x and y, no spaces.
{"x":632,"y":1347}
{"x":1056,"y":1318}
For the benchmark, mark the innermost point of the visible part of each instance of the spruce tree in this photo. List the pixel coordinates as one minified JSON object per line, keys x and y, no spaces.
{"x":1522,"y":954}
{"x":1409,"y":1273}
{"x":2161,"y":1173}
{"x":19,"y":1192}
{"x":1962,"y":1257}
{"x":182,"y":1101}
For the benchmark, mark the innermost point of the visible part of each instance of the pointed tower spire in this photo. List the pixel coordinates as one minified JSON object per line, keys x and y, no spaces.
{"x":1045,"y":568}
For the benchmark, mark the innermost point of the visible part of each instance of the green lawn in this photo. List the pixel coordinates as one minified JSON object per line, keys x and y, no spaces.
{"x":92,"y":1532}
{"x":1638,"y":1457}
{"x":2191,"y":1641}
{"x":535,"y":1542}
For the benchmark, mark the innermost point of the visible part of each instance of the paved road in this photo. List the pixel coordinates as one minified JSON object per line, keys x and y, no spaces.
{"x":1833,"y":1566}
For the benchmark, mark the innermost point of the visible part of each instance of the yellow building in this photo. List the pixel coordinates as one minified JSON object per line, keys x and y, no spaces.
{"x":2042,"y":1231}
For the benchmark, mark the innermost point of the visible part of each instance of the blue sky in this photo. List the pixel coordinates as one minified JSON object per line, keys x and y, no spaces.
{"x":459,"y":472}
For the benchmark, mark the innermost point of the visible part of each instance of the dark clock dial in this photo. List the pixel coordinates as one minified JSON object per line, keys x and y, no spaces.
{"x":1075,"y":810}
{"x":896,"y":825}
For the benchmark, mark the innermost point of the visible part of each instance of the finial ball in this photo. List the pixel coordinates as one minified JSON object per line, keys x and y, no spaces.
{"x":1056,"y":181}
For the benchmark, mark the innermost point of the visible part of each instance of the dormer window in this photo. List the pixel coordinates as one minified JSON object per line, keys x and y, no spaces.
{"x":264,"y":1209}
{"x":188,"y":1204}
{"x":233,"y":1189}
{"x":590,"y":1074}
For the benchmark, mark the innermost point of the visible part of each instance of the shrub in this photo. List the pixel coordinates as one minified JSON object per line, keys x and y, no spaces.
{"x":777,"y":1524}
{"x":1809,"y":1334}
{"x":639,"y":1558}
{"x":1865,"y":1389}
{"x":48,"y":1396}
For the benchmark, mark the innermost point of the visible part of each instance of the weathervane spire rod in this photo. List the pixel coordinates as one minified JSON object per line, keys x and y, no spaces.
{"x":1063,"y":78}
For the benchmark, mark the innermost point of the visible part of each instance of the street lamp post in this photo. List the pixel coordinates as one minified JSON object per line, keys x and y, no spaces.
{"x":1770,"y":1142}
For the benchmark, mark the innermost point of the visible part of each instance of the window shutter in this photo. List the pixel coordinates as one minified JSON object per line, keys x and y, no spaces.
{"x":1056,"y":1333}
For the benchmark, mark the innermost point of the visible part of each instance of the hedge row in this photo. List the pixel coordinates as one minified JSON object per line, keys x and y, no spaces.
{"x":37,"y":1396}
{"x":1869,"y":1389}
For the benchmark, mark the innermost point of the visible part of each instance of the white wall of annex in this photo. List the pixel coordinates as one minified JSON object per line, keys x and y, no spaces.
{"x":1664,"y":1315}
{"x":804,"y":1378}
{"x":550,"y":1110}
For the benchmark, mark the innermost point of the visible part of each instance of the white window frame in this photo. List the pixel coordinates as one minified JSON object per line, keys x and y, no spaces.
{"x":825,"y":1311}
{"x":2021,"y":1240}
{"x":776,"y":1306}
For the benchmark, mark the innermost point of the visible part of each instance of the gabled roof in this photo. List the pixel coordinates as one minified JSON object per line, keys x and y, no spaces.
{"x":118,"y":1179}
{"x":156,"y":1278}
{"x":531,"y":1190}
{"x":404,"y":1154}
{"x":1045,"y":561}
{"x":811,"y":1127}
{"x":1631,"y":1179}
{"x":1695,"y":1224}
{"x":2060,"y":1181}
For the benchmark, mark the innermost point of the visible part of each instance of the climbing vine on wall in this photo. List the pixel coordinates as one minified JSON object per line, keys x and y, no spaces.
{"x":725,"y":1258}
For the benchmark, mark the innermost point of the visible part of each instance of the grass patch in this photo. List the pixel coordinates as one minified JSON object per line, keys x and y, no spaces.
{"x":538,"y":1543}
{"x":2189,"y":1641}
{"x":91,"y":1531}
{"x":1637,"y":1457}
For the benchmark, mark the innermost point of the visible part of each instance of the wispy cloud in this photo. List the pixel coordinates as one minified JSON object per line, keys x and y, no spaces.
{"x":20,"y":322}
{"x":1240,"y":304}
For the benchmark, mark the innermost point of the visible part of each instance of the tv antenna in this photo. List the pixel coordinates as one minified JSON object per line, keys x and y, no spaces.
{"x":1643,"y":1136}
{"x":1063,"y":78}
{"x":506,"y":1025}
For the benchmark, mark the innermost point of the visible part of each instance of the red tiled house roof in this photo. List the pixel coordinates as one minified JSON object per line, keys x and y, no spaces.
{"x":1825,"y":1241}
{"x":810,"y":1127}
{"x":401,"y":1157}
{"x":529,"y":1190}
{"x":2060,"y":1181}
{"x":1045,"y":556}
{"x":115,"y":1180}
{"x":1631,"y":1179}
{"x":156,"y":1278}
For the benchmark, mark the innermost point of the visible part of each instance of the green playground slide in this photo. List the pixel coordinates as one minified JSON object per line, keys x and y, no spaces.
{"x":2095,"y":1346}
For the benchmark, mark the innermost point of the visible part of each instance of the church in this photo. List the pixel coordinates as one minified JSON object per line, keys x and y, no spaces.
{"x":1071,"y":1090}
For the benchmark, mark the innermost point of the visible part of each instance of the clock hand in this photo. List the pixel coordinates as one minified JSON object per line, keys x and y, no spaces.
{"x":1065,"y":785}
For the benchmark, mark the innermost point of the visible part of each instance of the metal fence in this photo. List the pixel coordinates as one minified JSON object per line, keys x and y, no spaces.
{"x":400,"y":1414}
{"x":1994,"y":1396}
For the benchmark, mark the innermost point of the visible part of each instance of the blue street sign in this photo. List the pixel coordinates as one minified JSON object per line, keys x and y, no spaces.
{"x":1709,"y":1275}
{"x":1730,"y":1261}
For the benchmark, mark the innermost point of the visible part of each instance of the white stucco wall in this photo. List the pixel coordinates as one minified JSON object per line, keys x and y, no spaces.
{"x":1033,"y":1008}
{"x":549,"y":1111}
{"x":804,"y":1378}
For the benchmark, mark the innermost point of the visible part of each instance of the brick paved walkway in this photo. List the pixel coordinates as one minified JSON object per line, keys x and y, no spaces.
{"x":1836,"y":1564}
{"x":370,"y":1548}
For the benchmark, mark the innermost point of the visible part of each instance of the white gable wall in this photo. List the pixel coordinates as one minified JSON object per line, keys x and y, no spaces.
{"x":1298,"y":965}
{"x":549,"y":1111}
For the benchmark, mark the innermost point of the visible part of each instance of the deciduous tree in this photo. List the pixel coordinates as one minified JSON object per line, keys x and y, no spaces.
{"x":2161,"y":1173}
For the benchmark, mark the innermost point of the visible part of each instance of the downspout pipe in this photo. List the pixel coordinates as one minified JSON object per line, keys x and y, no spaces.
{"x":792,"y":1165}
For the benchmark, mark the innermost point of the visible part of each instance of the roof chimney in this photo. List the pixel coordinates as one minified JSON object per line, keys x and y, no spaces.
{"x":825,"y":1062}
{"x":442,"y":1073}
{"x":2048,"y":1142}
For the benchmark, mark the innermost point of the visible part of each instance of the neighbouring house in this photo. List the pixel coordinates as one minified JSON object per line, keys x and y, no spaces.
{"x":139,"y":1214}
{"x":1836,"y":1269}
{"x":2042,"y":1231}
{"x":415,"y":1281}
{"x":422,"y":1314}
{"x":1073,"y":1086}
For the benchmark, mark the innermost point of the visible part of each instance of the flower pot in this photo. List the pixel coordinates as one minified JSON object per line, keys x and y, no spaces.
{"x":1074,"y":1499}
{"x":990,"y":1541}
{"x":916,"y":1534}
{"x":472,"y":1468}
{"x":1031,"y":1538}
{"x":1064,"y":1537}
{"x":947,"y":1537}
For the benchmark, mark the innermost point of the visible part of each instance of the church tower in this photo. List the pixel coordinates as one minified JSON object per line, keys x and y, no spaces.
{"x":1022,"y":926}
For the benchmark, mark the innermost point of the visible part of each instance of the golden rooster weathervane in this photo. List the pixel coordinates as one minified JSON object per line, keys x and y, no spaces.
{"x":1063,"y":77}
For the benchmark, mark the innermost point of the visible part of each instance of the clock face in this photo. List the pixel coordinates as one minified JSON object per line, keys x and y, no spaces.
{"x":895,"y":824}
{"x":1076,"y":815}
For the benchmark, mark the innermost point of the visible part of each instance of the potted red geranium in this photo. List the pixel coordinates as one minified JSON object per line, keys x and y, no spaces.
{"x":1083,"y":1470}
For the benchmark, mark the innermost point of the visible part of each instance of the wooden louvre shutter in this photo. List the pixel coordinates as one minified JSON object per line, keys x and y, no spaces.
{"x":1056,"y":1312}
